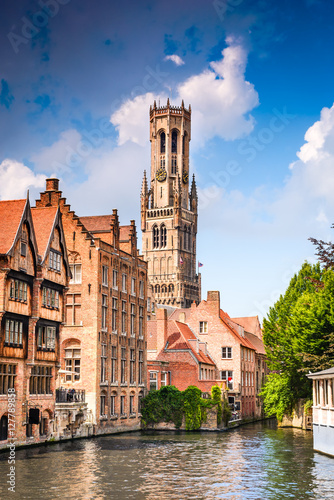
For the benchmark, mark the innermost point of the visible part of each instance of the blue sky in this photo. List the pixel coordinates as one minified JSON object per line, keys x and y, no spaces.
{"x":76,"y":82}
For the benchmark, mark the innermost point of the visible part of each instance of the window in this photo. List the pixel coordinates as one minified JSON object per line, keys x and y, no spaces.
{"x":163,"y":238}
{"x":103,"y":362}
{"x":140,"y":397}
{"x":155,"y":237}
{"x":43,"y":426}
{"x":133,"y":286}
{"x":55,"y":260}
{"x":46,"y":337}
{"x":203,"y":327}
{"x":4,"y":428}
{"x":242,"y":352}
{"x":174,"y":141}
{"x":18,"y":290}
{"x":131,"y":405}
{"x":123,"y":364}
{"x":132,"y":319}
{"x":140,"y":367}
{"x":73,"y":309}
{"x":141,"y":321}
{"x":113,"y":405}
{"x":114,"y":279}
{"x":23,"y":249}
{"x":50,"y":297}
{"x":76,"y":273}
{"x":114,"y":315}
{"x":141,"y":289}
{"x":113,"y":373}
{"x":174,"y":165}
{"x":102,"y":405}
{"x":104,"y":312}
{"x":123,"y":282}
{"x":7,"y":377}
{"x":228,"y":377}
{"x":40,"y":380}
{"x":72,"y":363}
{"x":153,"y":381}
{"x":163,"y":378}
{"x":227,"y":352}
{"x":123,"y":406}
{"x":13,"y":332}
{"x":132,"y":366}
{"x":162,"y":143}
{"x":104,"y":275}
{"x":123,"y":316}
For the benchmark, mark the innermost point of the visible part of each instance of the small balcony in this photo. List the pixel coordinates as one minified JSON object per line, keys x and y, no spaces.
{"x":70,"y":396}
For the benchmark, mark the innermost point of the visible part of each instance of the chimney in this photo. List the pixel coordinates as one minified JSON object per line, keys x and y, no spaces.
{"x":213,"y":300}
{"x":52,"y":184}
{"x":161,"y":317}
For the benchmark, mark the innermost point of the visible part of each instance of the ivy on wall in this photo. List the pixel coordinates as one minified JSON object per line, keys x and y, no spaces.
{"x":170,"y":405}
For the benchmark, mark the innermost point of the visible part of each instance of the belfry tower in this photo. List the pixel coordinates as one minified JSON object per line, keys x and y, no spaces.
{"x":169,"y":210}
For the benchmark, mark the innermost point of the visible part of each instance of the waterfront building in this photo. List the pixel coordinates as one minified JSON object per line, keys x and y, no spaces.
{"x":176,"y":356}
{"x":169,"y":211}
{"x":34,"y":272}
{"x":238,"y":354}
{"x":103,"y":341}
{"x":323,"y":410}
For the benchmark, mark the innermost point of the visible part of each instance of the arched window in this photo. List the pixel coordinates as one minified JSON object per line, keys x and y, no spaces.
{"x":163,"y":289}
{"x":162,"y":143}
{"x":174,"y":141}
{"x":3,"y":428}
{"x":157,"y":289}
{"x":171,"y":289}
{"x":155,"y":237}
{"x":163,"y":238}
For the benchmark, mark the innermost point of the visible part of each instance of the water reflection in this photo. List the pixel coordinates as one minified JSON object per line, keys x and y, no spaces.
{"x":253,"y":462}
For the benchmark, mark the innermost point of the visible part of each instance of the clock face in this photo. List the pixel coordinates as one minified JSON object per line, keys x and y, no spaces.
{"x":185,"y":177}
{"x":161,"y":175}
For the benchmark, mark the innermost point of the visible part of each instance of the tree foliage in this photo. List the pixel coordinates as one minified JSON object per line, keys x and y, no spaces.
{"x":298,"y":335}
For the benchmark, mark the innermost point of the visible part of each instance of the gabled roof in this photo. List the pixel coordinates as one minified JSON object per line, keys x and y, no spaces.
{"x":97,"y":223}
{"x":11,"y":214}
{"x":233,"y":327}
{"x":182,"y":338}
{"x":256,"y":342}
{"x":251,"y":324}
{"x":44,"y":220}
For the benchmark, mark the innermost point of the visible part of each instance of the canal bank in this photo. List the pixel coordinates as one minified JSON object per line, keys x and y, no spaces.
{"x":256,"y":461}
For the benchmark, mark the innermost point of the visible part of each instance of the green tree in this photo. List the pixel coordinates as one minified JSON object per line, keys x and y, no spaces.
{"x":298,"y":335}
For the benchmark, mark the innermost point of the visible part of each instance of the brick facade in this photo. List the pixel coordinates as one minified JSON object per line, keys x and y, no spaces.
{"x":34,"y":271}
{"x":103,"y":341}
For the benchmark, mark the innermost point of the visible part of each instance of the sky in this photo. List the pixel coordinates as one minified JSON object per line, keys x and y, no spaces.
{"x":76,"y":81}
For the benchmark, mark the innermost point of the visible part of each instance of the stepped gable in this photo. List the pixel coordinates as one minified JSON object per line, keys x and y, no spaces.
{"x":11,"y":215}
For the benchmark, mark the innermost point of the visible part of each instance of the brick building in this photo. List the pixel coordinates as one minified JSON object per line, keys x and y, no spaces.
{"x":34,"y":272}
{"x":176,"y":356}
{"x":238,"y":354}
{"x":103,"y":341}
{"x":169,"y":210}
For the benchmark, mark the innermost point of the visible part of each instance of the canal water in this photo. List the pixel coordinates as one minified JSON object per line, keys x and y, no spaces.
{"x":256,"y":461}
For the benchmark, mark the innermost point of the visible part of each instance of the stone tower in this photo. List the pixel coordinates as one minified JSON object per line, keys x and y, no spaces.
{"x":169,"y":210}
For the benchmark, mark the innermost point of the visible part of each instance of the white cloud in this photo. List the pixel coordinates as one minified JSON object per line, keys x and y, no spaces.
{"x":175,"y":59}
{"x":16,"y":178}
{"x":220,"y":97}
{"x":63,"y":155}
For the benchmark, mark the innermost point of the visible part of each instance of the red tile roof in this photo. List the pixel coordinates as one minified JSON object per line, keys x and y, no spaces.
{"x":97,"y":223}
{"x":11,"y":212}
{"x":233,"y":327}
{"x":43,"y":219}
{"x":182,"y":339}
{"x":256,"y":342}
{"x":251,"y":324}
